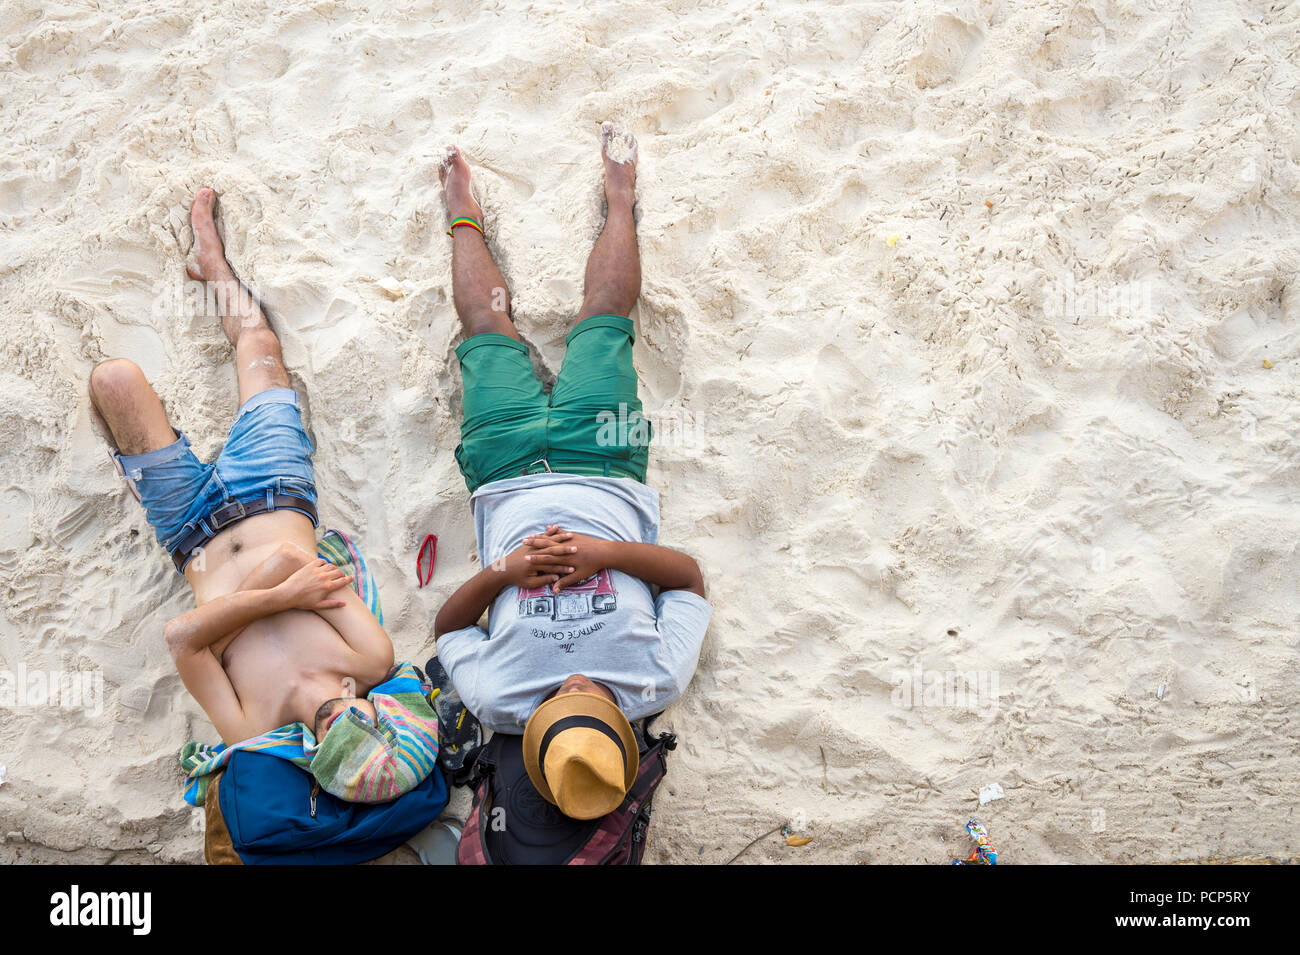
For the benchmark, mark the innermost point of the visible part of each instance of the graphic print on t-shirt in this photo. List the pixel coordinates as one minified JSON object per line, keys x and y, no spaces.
{"x":560,"y":617}
{"x":593,"y":596}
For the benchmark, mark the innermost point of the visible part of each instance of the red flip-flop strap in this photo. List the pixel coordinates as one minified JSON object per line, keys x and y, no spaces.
{"x":431,"y":539}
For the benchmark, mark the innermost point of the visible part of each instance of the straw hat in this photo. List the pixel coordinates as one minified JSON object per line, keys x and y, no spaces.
{"x":581,"y":754}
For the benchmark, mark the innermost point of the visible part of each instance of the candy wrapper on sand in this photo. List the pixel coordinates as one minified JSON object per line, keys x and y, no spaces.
{"x":984,"y":853}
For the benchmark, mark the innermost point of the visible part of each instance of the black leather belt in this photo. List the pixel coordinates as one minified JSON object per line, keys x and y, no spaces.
{"x":233,"y":513}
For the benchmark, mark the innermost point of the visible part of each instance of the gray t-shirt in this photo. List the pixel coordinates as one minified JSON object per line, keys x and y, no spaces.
{"x":608,"y":628}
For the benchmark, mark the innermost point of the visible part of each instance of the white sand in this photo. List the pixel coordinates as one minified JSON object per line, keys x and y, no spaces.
{"x":891,"y":429}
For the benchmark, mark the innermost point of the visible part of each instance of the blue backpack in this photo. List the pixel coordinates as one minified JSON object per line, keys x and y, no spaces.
{"x":264,"y":810}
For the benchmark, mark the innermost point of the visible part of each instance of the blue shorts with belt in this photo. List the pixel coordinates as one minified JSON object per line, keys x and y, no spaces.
{"x":267,"y":452}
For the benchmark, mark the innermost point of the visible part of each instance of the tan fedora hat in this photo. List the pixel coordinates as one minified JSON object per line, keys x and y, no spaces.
{"x":581,"y":754}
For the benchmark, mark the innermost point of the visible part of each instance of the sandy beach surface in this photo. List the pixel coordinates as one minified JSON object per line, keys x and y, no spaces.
{"x":969,"y":331}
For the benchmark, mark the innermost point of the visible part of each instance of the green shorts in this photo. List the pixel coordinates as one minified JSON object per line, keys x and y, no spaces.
{"x":590,"y":423}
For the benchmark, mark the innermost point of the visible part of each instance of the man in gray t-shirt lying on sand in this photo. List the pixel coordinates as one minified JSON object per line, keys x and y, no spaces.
{"x":577,"y":643}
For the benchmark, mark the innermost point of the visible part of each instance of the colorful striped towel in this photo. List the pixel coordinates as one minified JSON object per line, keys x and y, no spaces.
{"x":337,"y":548}
{"x":201,"y":761}
{"x":361,"y":761}
{"x":294,"y":742}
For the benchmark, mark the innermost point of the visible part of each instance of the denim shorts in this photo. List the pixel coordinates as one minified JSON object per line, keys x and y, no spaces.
{"x":267,"y":452}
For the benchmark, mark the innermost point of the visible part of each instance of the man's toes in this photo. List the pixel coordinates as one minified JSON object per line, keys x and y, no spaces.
{"x":617,"y":143}
{"x":205,"y":226}
{"x":204,"y":201}
{"x":208,"y":248}
{"x":452,"y":161}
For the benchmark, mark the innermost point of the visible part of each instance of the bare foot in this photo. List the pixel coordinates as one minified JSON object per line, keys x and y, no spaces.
{"x":453,"y":173}
{"x":209,"y":253}
{"x":236,"y":306}
{"x":618,"y":150}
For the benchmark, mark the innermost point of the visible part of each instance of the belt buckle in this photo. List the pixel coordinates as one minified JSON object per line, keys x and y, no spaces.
{"x":239,"y":513}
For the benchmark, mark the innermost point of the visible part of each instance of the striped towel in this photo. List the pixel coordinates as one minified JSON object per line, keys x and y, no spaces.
{"x":293,"y":742}
{"x":201,"y":762}
{"x":365,"y":763}
{"x":361,"y":761}
{"x":337,"y":548}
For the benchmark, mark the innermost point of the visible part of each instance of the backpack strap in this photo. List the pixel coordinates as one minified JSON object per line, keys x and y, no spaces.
{"x":642,"y":729}
{"x":218,"y":846}
{"x":480,"y":762}
{"x":476,"y":772}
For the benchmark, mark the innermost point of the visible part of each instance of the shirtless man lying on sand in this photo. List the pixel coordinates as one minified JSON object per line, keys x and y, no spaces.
{"x":277,"y":636}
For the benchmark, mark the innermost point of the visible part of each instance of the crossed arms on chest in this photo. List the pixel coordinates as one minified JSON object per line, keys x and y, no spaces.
{"x":290,"y":579}
{"x":559,"y":559}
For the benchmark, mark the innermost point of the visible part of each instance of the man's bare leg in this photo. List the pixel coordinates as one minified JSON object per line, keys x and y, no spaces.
{"x":613,"y":279}
{"x":130,"y":407}
{"x":123,"y":396}
{"x":258,"y":361}
{"x":478,"y":288}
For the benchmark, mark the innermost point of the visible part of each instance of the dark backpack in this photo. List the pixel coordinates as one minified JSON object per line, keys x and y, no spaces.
{"x":264,"y":810}
{"x":510,"y":823}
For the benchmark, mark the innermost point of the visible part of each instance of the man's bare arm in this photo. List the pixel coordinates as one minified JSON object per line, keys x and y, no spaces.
{"x":308,"y":588}
{"x":191,"y":635}
{"x":667,"y":568}
{"x":284,"y":561}
{"x":363,"y":634}
{"x":203,"y":626}
{"x":206,"y":679}
{"x":465,"y":607}
{"x":348,"y":614}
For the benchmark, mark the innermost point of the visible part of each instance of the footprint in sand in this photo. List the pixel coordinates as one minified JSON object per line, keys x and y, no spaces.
{"x":951,"y":46}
